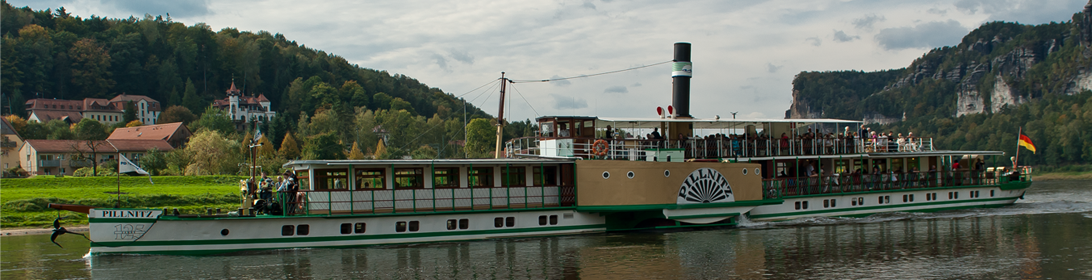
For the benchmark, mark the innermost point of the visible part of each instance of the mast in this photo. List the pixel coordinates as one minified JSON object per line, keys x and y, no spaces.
{"x":1017,"y":158}
{"x":500,"y":118}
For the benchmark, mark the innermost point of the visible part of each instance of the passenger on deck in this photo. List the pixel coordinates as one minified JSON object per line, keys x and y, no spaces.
{"x":656,"y":134}
{"x":563,"y":131}
{"x":901,"y":142}
{"x":609,"y":133}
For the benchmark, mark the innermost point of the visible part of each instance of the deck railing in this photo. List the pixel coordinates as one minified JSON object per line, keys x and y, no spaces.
{"x":802,"y":186}
{"x":728,"y":148}
{"x":332,"y":202}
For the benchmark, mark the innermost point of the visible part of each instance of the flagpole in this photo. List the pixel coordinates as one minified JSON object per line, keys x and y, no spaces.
{"x":118,"y":205}
{"x":1018,"y":135}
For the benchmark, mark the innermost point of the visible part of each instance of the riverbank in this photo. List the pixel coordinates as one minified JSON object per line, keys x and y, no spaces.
{"x":38,"y":231}
{"x":1062,"y":176}
{"x":24,"y":203}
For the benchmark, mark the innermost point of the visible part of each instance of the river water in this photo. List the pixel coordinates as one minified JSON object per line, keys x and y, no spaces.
{"x":1048,"y":235}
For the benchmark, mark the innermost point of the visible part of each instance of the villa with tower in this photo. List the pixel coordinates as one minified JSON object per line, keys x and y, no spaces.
{"x":245,"y":109}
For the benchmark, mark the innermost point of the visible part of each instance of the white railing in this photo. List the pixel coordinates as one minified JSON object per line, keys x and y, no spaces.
{"x":728,"y":148}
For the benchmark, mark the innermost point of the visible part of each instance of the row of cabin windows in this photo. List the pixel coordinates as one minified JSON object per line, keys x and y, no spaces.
{"x":442,"y":177}
{"x":886,"y":199}
{"x":414,"y":226}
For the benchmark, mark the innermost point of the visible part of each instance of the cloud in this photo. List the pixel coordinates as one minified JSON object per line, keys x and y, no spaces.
{"x":440,"y":61}
{"x":1024,"y":11}
{"x":560,"y":83}
{"x":866,"y":22}
{"x":842,"y":37}
{"x":636,"y":84}
{"x":926,"y":35}
{"x":178,"y":8}
{"x":754,"y":115}
{"x":815,"y":41}
{"x":773,"y":68}
{"x":589,"y":5}
{"x":564,"y":102}
{"x":461,"y":56}
{"x":937,"y":11}
{"x":616,"y":89}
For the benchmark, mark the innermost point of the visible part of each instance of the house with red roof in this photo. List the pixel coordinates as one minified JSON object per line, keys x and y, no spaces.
{"x":10,"y":143}
{"x":63,"y":157}
{"x":174,"y":133}
{"x":106,"y":111}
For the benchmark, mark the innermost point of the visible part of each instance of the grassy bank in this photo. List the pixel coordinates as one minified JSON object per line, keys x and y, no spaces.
{"x":23,"y":202}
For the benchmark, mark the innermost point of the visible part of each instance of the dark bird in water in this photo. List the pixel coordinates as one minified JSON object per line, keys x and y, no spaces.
{"x":58,"y":230}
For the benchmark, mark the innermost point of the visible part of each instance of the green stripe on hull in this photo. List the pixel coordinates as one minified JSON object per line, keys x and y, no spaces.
{"x":717,"y":215}
{"x":891,"y":207}
{"x":335,"y":216}
{"x":1005,"y":186}
{"x":339,"y":238}
{"x":644,"y":207}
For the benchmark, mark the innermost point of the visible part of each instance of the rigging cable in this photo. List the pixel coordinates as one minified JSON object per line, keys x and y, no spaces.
{"x":592,"y":75}
{"x":525,"y":100}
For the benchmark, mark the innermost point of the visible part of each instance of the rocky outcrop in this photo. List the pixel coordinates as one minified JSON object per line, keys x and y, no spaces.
{"x":801,"y":109}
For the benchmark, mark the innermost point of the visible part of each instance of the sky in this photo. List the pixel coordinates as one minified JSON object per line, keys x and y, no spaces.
{"x":745,"y":53}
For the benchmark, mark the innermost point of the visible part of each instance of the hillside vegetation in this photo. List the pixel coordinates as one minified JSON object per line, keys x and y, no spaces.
{"x":978,"y":94}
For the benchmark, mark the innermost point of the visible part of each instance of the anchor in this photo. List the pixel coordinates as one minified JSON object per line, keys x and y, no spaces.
{"x":58,"y":230}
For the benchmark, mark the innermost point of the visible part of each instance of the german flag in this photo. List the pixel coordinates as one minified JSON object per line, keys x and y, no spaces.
{"x":1026,"y":142}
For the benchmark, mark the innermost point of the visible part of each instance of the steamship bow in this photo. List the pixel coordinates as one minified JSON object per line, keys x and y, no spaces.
{"x":577,"y":177}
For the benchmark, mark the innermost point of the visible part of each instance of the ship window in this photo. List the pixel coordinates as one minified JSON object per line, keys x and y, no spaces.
{"x":630,"y":174}
{"x":409,"y":178}
{"x":548,"y":178}
{"x":445,"y":177}
{"x":860,"y":201}
{"x":797,"y":204}
{"x":853,"y":202}
{"x":991,"y":193}
{"x":805,"y":205}
{"x":606,"y":175}
{"x":568,"y":215}
{"x":481,"y":177}
{"x":887,"y":199}
{"x":414,"y":226}
{"x":370,"y":179}
{"x":826,"y":203}
{"x":510,"y":221}
{"x":331,"y":179}
{"x":346,"y":228}
{"x":303,"y":229}
{"x":553,"y":219}
{"x":288,"y":230}
{"x":452,"y":224}
{"x":464,"y":223}
{"x":360,"y":228}
{"x":911,"y":197}
{"x":400,"y":226}
{"x":881,"y":199}
{"x":833,"y":203}
{"x":542,"y":220}
{"x":498,"y":222}
{"x":514,"y":176}
{"x":905,"y":198}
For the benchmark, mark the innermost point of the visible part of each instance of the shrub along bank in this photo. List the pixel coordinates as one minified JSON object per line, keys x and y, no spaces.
{"x":24,"y":202}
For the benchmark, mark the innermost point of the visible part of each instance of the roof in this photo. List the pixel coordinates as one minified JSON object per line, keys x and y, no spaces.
{"x":233,"y":89}
{"x":68,"y":146}
{"x":7,"y":128}
{"x":49,"y":115}
{"x":101,"y":146}
{"x":153,"y":105}
{"x":717,"y":123}
{"x":101,"y":103}
{"x":53,"y":104}
{"x":146,"y":132}
{"x":140,"y":145}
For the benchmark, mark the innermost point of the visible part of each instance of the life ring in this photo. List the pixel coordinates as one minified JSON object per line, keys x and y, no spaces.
{"x":599,"y":148}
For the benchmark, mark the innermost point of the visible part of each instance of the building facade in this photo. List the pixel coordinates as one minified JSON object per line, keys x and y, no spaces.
{"x":63,"y":157}
{"x":105,"y":111}
{"x":10,"y":143}
{"x":245,"y":109}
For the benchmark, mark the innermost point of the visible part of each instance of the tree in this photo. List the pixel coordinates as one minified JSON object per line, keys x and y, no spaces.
{"x":90,"y":129}
{"x":424,"y":152}
{"x":215,"y":119}
{"x":153,"y":161}
{"x":322,"y":146}
{"x":190,"y":99}
{"x":212,"y":153}
{"x":59,"y":130}
{"x":91,"y":68}
{"x":289,"y":148}
{"x":130,"y":112}
{"x":18,"y":123}
{"x":481,"y":138}
{"x":355,"y":153}
{"x":175,"y":114}
{"x":134,"y":123}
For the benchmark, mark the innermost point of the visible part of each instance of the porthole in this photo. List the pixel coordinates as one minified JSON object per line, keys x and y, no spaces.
{"x":629,"y":174}
{"x":756,"y":171}
{"x":224,"y":232}
{"x":667,"y":173}
{"x":606,"y":175}
{"x":745,"y":171}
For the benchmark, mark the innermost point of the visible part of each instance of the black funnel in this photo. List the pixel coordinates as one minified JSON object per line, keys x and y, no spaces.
{"x":680,"y":80}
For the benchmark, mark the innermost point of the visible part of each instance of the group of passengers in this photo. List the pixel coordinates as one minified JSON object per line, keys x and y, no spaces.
{"x":877,"y":141}
{"x":812,"y":180}
{"x":269,"y":194}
